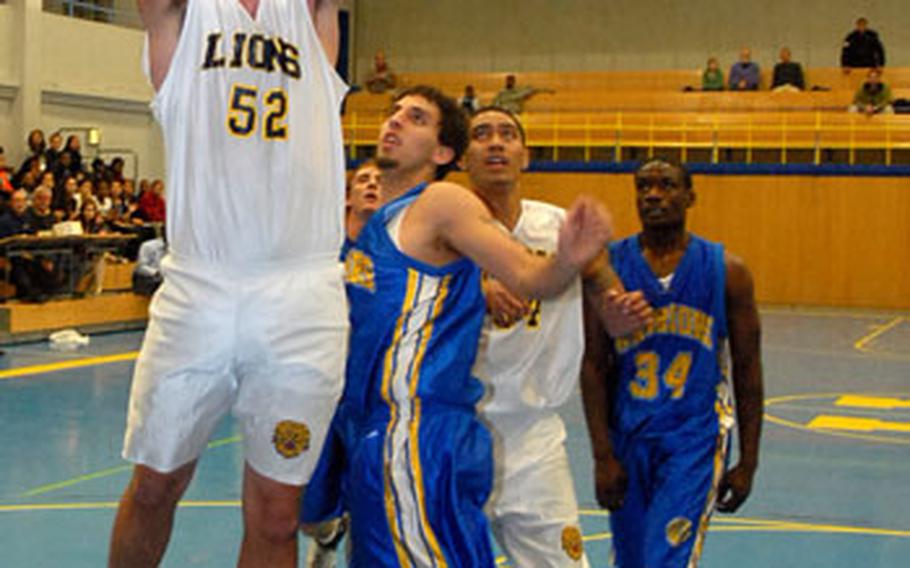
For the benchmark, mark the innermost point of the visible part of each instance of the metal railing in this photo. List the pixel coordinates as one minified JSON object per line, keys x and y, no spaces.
{"x":817,"y":134}
{"x":117,"y":12}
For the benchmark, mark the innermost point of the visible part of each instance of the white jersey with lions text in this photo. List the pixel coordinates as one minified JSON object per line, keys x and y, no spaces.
{"x":249,"y":109}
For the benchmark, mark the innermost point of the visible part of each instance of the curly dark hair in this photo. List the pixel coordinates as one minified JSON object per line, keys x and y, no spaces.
{"x":453,"y":123}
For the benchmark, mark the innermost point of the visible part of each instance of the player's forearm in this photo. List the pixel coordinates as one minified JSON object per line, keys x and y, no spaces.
{"x":749,"y":392}
{"x":595,"y":387}
{"x":595,"y":399}
{"x":534,"y":276}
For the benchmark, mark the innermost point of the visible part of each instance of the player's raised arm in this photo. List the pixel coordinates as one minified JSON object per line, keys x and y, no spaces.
{"x":162,"y":20}
{"x":745,"y":350}
{"x":463,"y":223}
{"x":325,"y":19}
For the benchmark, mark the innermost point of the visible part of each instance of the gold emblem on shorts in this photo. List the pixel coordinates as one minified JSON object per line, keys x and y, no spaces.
{"x":572,"y":543}
{"x":291,"y":438}
{"x":679,"y":530}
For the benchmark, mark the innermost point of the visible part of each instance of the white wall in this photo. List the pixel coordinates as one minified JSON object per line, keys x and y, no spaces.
{"x":8,"y":66}
{"x":106,"y":63}
{"x":591,"y":35}
{"x":124,"y":128}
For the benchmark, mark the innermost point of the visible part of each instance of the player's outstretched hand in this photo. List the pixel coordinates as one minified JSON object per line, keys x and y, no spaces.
{"x":504,"y":307}
{"x":610,"y":483}
{"x":625,"y":312}
{"x":734,"y":488}
{"x":587,"y":228}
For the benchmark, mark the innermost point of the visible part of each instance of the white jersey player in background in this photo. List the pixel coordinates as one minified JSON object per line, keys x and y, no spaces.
{"x":530,"y":360}
{"x":252,"y":313}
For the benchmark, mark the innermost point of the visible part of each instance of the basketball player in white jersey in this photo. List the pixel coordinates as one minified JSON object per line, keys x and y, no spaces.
{"x":252,"y":316}
{"x":530,"y":360}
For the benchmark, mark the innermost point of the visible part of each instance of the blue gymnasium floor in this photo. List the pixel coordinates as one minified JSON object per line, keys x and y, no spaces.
{"x":825,"y":496}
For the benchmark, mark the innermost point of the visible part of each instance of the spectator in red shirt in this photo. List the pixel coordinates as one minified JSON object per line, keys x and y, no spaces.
{"x":6,"y":182}
{"x":151,"y":204}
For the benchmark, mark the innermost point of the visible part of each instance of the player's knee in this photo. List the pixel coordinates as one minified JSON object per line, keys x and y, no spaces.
{"x":150,"y":489}
{"x":274,"y":523}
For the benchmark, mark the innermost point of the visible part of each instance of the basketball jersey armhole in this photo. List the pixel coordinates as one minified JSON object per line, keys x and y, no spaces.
{"x":339,"y":87}
{"x":161,"y":94}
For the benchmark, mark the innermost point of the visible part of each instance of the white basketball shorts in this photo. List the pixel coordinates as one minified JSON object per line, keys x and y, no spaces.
{"x":267,"y":342}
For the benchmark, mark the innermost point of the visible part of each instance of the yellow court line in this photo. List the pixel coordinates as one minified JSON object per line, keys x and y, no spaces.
{"x":721,"y":524}
{"x":821,"y":313}
{"x":28,"y":508}
{"x":862,"y":342}
{"x":737,"y":524}
{"x":872,"y":402}
{"x":840,"y":434}
{"x":70,"y":482}
{"x":857,"y":424}
{"x":66,"y":365}
{"x":109,"y":472}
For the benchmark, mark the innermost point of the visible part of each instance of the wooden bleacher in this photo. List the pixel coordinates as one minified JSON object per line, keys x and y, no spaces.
{"x":116,"y":308}
{"x":650,"y":109}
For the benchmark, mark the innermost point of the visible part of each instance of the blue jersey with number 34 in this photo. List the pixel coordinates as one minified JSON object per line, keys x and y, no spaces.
{"x":672,"y":373}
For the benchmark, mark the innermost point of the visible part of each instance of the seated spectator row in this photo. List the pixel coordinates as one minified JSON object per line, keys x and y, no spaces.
{"x":653,"y":91}
{"x":53,"y":186}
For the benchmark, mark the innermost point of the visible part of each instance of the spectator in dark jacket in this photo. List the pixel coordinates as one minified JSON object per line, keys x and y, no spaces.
{"x":74,"y":147}
{"x":36,"y":158}
{"x":788,"y":75}
{"x":862,"y":48}
{"x":35,"y":278}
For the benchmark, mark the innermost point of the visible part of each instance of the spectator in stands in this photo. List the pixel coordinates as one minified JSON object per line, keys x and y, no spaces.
{"x":65,"y":199}
{"x":93,"y":223}
{"x":6,"y":178}
{"x":713,"y":78}
{"x":14,"y":221}
{"x":40,"y":215}
{"x":86,"y":193}
{"x":469,"y":101}
{"x":99,"y":171}
{"x":873,"y":96}
{"x":116,"y":169}
{"x":74,"y":147}
{"x":47,"y":181}
{"x":35,"y":159}
{"x":63,"y":167}
{"x":119,"y":211}
{"x":68,"y":203}
{"x":54,"y":148}
{"x":788,"y":75}
{"x":34,"y":278}
{"x":129,"y":192}
{"x":862,"y":48}
{"x":151,"y":204}
{"x":512,"y":98}
{"x":91,"y":268}
{"x":103,"y":196}
{"x":745,"y":74}
{"x":381,"y":77}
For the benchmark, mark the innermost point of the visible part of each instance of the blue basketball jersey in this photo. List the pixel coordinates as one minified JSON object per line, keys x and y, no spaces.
{"x":672,"y":372}
{"x":414,"y":327}
{"x":421,"y":462}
